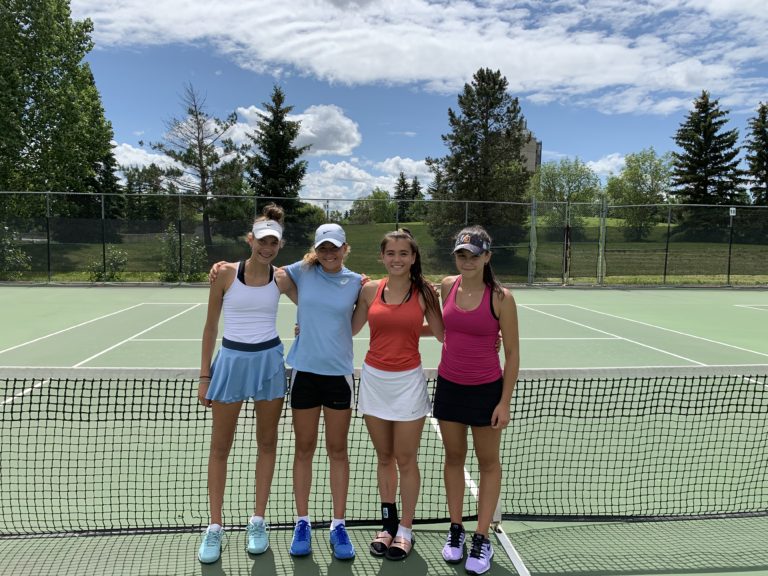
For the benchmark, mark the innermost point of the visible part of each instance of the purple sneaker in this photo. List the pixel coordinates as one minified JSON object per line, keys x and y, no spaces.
{"x":453,"y":551}
{"x":479,"y":561}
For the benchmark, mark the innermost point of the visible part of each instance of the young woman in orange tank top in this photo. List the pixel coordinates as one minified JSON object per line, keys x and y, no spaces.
{"x":393,"y":391}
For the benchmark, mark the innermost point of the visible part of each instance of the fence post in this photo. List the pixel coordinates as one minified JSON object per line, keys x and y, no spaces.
{"x":532,"y":245}
{"x":601,"y":242}
{"x":732,"y":213}
{"x":103,"y":239}
{"x":666,"y":247}
{"x":567,"y":244}
{"x":48,"y":233}
{"x":179,"y":238}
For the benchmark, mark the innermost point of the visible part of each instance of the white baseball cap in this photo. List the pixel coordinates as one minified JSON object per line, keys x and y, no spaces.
{"x":264,"y":228}
{"x":332,"y":233}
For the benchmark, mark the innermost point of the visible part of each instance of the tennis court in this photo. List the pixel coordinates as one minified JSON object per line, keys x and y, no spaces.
{"x":92,"y":368}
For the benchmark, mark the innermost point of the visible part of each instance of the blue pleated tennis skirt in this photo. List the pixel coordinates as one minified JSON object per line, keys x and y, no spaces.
{"x":248,"y":372}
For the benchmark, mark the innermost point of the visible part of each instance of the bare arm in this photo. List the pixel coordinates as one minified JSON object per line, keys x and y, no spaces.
{"x":360,"y":315}
{"x":286,"y":285}
{"x":434,"y":318}
{"x":511,"y":340}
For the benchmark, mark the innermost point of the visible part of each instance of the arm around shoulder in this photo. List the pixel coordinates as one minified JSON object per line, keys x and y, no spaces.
{"x":286,"y":285}
{"x":364,"y":299}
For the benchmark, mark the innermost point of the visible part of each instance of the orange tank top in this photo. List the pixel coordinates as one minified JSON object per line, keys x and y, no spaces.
{"x":395,"y":330}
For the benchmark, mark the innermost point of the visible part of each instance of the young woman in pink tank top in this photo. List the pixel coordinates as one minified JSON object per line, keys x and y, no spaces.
{"x":473,"y":391}
{"x":393,"y":390}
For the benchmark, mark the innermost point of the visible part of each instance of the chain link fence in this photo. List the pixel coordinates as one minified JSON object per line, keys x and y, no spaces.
{"x":58,"y":237}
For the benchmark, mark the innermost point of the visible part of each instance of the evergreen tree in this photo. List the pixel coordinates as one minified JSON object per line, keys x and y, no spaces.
{"x":418,"y":208}
{"x":706,"y":171}
{"x":275,"y":167}
{"x":53,"y":133}
{"x":484,"y":163}
{"x":757,"y":155}
{"x":402,"y":195}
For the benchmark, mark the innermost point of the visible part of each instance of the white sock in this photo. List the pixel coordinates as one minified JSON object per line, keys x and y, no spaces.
{"x":215,"y":527}
{"x":336,"y":521}
{"x":305,"y":518}
{"x":404,"y":532}
{"x":257,"y":519}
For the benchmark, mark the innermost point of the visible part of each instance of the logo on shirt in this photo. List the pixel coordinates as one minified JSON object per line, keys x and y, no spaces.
{"x":343,"y":281}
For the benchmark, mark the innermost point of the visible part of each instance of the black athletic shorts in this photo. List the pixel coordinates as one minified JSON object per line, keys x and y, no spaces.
{"x":310,"y":390}
{"x":472,"y":405}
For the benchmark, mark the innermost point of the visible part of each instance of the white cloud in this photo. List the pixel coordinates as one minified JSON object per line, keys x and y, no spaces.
{"x":325,"y":128}
{"x":660,"y":52}
{"x":127,"y":155}
{"x":410,"y":167}
{"x":607,"y":165}
{"x":347,"y":180}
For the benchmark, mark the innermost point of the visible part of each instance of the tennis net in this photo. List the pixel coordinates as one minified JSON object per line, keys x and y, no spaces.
{"x":101,"y":451}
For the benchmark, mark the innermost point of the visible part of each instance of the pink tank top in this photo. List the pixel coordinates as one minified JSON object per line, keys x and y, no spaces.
{"x":469,"y":353}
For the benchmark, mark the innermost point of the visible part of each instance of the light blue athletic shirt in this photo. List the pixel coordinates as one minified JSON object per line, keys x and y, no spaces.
{"x":326,"y":303}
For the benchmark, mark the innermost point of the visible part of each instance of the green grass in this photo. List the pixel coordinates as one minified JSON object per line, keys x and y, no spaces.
{"x":637,"y":263}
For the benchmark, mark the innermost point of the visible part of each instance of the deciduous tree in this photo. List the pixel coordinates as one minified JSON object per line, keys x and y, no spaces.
{"x":638,"y":189}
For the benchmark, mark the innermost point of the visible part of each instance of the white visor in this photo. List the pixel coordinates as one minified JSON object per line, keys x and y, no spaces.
{"x":264,"y":228}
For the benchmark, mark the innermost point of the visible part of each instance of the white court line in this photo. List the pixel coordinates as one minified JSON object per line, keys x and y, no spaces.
{"x":670,"y":330}
{"x":24,"y":392}
{"x":139,"y":334}
{"x":760,"y":307}
{"x":616,"y":336}
{"x":471,"y":484}
{"x":70,"y":328}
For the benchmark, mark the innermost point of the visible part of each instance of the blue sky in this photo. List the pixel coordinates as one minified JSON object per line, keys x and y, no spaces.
{"x":372,"y":81}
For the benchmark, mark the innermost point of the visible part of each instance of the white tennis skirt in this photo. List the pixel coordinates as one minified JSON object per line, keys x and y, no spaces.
{"x":397,"y":396}
{"x":238,"y":375}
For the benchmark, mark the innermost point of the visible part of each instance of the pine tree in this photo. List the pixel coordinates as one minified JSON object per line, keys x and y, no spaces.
{"x":707,"y":170}
{"x":276,"y":170}
{"x":484,"y":161}
{"x":402,"y":195}
{"x":757,"y":155}
{"x":417,"y":209}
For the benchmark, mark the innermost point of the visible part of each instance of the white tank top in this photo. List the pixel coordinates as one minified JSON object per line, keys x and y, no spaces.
{"x":250,"y":312}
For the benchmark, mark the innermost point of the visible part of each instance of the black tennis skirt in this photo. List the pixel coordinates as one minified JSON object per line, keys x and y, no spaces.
{"x":472,"y":405}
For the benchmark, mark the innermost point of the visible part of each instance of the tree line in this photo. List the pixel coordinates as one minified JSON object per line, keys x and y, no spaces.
{"x":54,"y":136}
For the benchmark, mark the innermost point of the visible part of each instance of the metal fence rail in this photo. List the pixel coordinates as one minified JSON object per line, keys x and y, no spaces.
{"x":148,"y":237}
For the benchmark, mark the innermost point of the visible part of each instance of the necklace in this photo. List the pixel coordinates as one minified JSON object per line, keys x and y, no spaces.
{"x":406,"y":297}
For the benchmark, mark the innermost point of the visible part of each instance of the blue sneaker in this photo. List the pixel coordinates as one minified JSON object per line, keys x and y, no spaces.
{"x":340,"y":543}
{"x":210,"y":548}
{"x":301,"y":545}
{"x":258,"y":538}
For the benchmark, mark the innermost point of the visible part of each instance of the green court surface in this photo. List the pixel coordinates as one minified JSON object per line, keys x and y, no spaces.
{"x":109,"y":329}
{"x":102,"y":327}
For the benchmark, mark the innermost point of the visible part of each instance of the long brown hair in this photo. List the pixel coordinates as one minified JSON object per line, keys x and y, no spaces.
{"x":416,"y":276}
